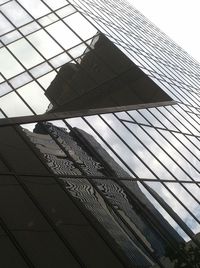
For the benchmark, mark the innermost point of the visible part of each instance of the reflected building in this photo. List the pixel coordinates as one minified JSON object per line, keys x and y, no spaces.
{"x":100,"y":137}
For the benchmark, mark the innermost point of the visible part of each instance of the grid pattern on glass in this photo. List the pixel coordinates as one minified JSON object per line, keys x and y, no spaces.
{"x":35,"y":38}
{"x":167,"y":174}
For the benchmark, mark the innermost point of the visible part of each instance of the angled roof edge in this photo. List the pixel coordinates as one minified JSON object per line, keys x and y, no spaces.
{"x":72,"y":114}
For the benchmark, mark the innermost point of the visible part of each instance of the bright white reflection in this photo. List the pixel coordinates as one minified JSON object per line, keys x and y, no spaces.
{"x":15,"y":13}
{"x":13,"y":106}
{"x":26,"y":54}
{"x":35,"y":7}
{"x":63,"y":35}
{"x":8,"y":64}
{"x":33,"y":94}
{"x":42,"y":41}
{"x":5,"y":25}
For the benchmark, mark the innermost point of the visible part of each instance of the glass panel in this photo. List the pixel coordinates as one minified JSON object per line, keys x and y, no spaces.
{"x":31,"y":27}
{"x":46,"y":80}
{"x":77,"y":51}
{"x":10,"y":37}
{"x":40,"y":69}
{"x":124,"y":116}
{"x":5,"y":25}
{"x":173,"y":203}
{"x":8,"y":64}
{"x":48,"y":19}
{"x":25,"y":53}
{"x":138,"y":117}
{"x":137,"y":147}
{"x":5,"y":88}
{"x":63,"y":35}
{"x":35,"y":7}
{"x":13,"y":106}
{"x":16,"y":14}
{"x":1,"y":79}
{"x":65,"y":11}
{"x":45,"y":44}
{"x":56,"y":4}
{"x":60,"y":60}
{"x":150,"y":118}
{"x":81,"y":26}
{"x":162,"y":118}
{"x":34,"y":96}
{"x":20,"y":80}
{"x":120,"y":148}
{"x":1,"y":115}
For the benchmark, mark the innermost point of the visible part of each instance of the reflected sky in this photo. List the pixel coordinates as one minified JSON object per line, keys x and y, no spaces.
{"x":157,"y":143}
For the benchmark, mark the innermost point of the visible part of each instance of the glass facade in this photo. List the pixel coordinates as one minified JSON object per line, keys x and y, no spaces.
{"x":100,"y":137}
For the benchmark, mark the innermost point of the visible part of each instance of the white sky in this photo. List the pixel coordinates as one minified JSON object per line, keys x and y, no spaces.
{"x":179,"y":19}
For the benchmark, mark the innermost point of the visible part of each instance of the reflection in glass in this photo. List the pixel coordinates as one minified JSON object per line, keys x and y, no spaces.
{"x":8,"y":64}
{"x":25,"y":53}
{"x":33,"y":94}
{"x":45,"y":44}
{"x":19,"y":109}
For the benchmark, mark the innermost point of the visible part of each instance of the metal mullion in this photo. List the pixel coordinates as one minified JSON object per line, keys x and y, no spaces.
{"x":167,"y":152}
{"x":16,"y":92}
{"x":171,"y":121}
{"x":154,"y":157}
{"x":84,"y":176}
{"x":153,"y":31}
{"x":132,"y":197}
{"x":156,"y":175}
{"x":9,"y":231}
{"x":180,"y":223}
{"x":177,"y":180}
{"x":45,"y":60}
{"x":64,"y":50}
{"x":106,"y":201}
{"x":94,"y":177}
{"x":180,"y":120}
{"x":148,"y":49}
{"x":6,"y":2}
{"x":110,"y":148}
{"x":40,"y":208}
{"x":150,"y":218}
{"x":178,"y":141}
{"x":43,"y":28}
{"x":27,"y":70}
{"x":16,"y":244}
{"x":94,"y":223}
{"x":124,"y":142}
{"x":83,"y":41}
{"x":187,"y":118}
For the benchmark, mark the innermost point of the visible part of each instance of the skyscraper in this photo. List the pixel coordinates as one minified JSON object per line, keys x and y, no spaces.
{"x":101,"y":67}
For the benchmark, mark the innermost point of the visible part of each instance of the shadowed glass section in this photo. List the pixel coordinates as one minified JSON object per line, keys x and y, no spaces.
{"x":103,"y":77}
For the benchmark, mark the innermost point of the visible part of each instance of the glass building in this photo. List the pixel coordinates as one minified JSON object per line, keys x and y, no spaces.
{"x":100,"y":138}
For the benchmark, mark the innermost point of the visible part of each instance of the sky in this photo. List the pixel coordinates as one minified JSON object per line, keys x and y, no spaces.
{"x":179,"y":19}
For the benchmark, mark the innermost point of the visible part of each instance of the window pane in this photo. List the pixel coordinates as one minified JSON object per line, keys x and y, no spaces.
{"x":63,"y":35}
{"x":13,"y":106}
{"x":5,"y":25}
{"x":65,"y":11}
{"x":55,"y":4}
{"x":10,"y":37}
{"x":25,"y":53}
{"x":81,"y":26}
{"x":8,"y":64}
{"x":20,"y":80}
{"x":15,"y":13}
{"x":35,"y":7}
{"x":4,"y":88}
{"x":45,"y":44}
{"x":34,"y":96}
